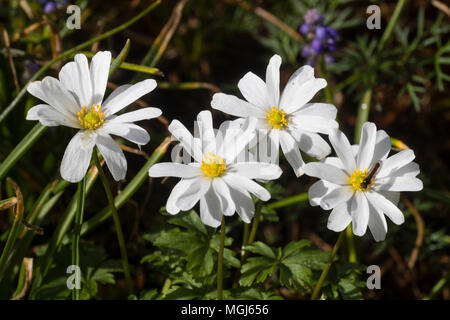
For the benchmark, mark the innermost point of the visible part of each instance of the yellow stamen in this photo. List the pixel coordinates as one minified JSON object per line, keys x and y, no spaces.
{"x":213,"y":165}
{"x":356,"y":178}
{"x":91,"y":118}
{"x":276,"y":118}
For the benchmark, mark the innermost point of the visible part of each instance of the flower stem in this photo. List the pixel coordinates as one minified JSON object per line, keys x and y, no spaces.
{"x":76,"y":231}
{"x":319,"y":284}
{"x":220,"y":260}
{"x":120,"y":238}
{"x":255,"y":224}
{"x":352,"y":256}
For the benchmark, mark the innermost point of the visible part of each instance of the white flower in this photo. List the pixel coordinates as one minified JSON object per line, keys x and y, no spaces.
{"x":341,"y":190}
{"x":221,"y":183}
{"x":75,"y":100}
{"x":289,"y":120}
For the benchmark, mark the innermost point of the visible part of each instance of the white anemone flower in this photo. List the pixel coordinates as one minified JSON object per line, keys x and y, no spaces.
{"x":216,"y":177}
{"x":356,"y":196}
{"x":76,"y":100}
{"x":287,"y":120}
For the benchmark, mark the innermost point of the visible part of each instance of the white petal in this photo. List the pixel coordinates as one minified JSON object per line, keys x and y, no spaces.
{"x":116,"y":92}
{"x":340,"y":217}
{"x":336,"y":197}
{"x":366,"y":145}
{"x":273,"y":80}
{"x":410,"y":170}
{"x":171,"y":169}
{"x":113,"y":155}
{"x":210,"y":211}
{"x":300,"y":89}
{"x":190,"y":145}
{"x":206,"y":132}
{"x":257,"y":170}
{"x":314,"y":124}
{"x":312,"y":143}
{"x":235,"y":143}
{"x":53,"y":93}
{"x":178,"y":190}
{"x":138,"y":115}
{"x":334,"y":161}
{"x":234,"y":106}
{"x":243,"y":202}
{"x":128,"y":96}
{"x":75,"y":76}
{"x":398,"y":184}
{"x":77,"y":156}
{"x":382,"y":147}
{"x":392,"y":196}
{"x":395,"y":162}
{"x":343,"y":150}
{"x":377,"y":224}
{"x":223,"y":193}
{"x":360,"y":214}
{"x":99,"y":72}
{"x":326,"y":172}
{"x":273,"y":144}
{"x":192,"y":195}
{"x":254,"y":90}
{"x":260,"y":192}
{"x":49,"y":116}
{"x":318,"y":190}
{"x":324,"y":110}
{"x":128,"y":131}
{"x":292,"y":152}
{"x":387,"y":207}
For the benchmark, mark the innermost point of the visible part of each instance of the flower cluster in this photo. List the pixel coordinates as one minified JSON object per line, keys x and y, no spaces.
{"x":50,"y":6}
{"x":361,"y":185}
{"x":321,"y":38}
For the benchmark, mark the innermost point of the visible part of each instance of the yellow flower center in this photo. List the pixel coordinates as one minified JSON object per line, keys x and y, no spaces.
{"x":276,"y":118}
{"x":357,"y":178}
{"x":91,"y":118}
{"x":213,"y":165}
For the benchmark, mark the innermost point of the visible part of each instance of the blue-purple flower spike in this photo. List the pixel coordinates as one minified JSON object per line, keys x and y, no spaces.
{"x":321,"y":39}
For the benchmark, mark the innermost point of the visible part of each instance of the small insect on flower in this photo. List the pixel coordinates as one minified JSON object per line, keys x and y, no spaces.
{"x":76,"y":100}
{"x":216,"y":177}
{"x":372,"y":173}
{"x":288,"y":120}
{"x":363,"y":184}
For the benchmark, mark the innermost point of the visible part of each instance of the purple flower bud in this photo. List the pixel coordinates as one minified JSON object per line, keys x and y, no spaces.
{"x":321,"y":32}
{"x":49,"y":7}
{"x":331,"y":32}
{"x":329,"y":59}
{"x":312,"y":16}
{"x":331,"y":45}
{"x":304,"y":28}
{"x":306,"y":51}
{"x":317,"y":45}
{"x":311,"y":62}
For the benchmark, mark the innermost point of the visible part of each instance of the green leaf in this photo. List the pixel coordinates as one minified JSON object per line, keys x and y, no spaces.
{"x":261,"y":248}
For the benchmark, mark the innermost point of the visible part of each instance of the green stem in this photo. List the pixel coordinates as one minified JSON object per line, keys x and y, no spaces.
{"x":68,"y":53}
{"x":438,"y":287}
{"x":130,"y":189}
{"x":363,"y":113}
{"x":15,"y":229}
{"x":392,"y":23}
{"x":255,"y":224}
{"x":23,"y":146}
{"x":45,"y":261}
{"x":120,"y":238}
{"x":76,"y":231}
{"x":298,"y":198}
{"x":220,"y":261}
{"x":319,"y":284}
{"x":352,"y":256}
